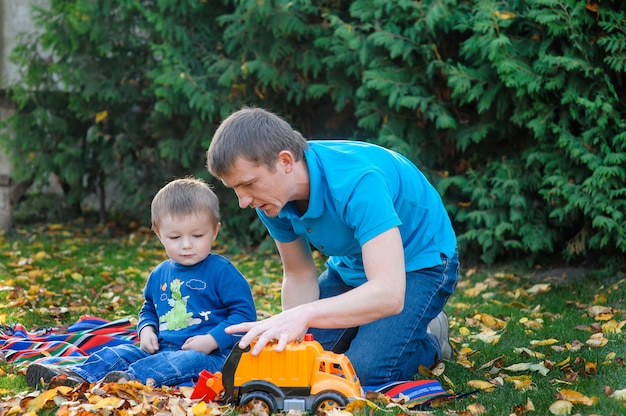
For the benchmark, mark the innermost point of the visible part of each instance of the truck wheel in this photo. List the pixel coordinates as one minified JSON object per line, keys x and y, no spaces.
{"x":328,"y":400}
{"x":260,"y":400}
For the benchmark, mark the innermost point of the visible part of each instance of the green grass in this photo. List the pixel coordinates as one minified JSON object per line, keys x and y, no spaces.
{"x":563,"y":314}
{"x":52,"y":274}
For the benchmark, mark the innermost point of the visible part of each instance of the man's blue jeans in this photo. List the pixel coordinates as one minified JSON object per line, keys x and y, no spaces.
{"x":170,"y":366}
{"x":392,"y":348}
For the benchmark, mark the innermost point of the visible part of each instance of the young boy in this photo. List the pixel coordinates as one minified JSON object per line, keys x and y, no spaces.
{"x":189,"y":300}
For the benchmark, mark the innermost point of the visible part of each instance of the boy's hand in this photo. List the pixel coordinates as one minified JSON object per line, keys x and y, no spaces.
{"x":201,"y":343}
{"x":149,"y":342}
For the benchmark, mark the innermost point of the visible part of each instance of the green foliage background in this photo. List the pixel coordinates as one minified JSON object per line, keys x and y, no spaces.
{"x":512,"y":108}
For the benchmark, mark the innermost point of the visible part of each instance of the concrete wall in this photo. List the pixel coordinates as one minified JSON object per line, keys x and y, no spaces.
{"x":15,"y":17}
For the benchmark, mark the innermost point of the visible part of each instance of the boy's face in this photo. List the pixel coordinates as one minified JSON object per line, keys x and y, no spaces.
{"x":187,"y":240}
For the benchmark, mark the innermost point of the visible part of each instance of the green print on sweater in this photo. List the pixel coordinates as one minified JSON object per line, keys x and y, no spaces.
{"x":177,"y":317}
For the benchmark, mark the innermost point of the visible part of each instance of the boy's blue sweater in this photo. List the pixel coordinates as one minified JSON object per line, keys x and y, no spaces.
{"x":185,"y":301}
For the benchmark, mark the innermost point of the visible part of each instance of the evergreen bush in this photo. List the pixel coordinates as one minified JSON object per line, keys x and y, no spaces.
{"x":512,"y":108}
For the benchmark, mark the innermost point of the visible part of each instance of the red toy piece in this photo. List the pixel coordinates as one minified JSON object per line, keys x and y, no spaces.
{"x":209,"y":386}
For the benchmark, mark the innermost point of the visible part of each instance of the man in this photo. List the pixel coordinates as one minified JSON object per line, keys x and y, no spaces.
{"x":392,"y":252}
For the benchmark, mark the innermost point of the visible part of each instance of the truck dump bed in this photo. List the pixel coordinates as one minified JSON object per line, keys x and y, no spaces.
{"x":284,"y":370}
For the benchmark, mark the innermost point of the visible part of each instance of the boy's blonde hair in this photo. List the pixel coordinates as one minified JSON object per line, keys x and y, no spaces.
{"x":184,"y":197}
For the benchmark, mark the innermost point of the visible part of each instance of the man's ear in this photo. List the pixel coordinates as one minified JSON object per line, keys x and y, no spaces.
{"x":286,"y":160}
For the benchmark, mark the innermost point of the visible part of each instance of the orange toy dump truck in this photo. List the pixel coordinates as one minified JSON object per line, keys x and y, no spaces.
{"x":303,"y":377}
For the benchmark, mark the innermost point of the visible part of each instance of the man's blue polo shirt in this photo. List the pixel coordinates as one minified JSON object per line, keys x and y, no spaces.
{"x":358,"y":191}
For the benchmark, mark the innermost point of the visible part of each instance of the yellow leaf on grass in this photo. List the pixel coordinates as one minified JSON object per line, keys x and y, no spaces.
{"x":476,"y":409}
{"x":529,"y":352}
{"x":574,"y":397}
{"x":523,"y":384}
{"x":605,"y":316}
{"x":448,"y":381}
{"x":465,"y":362}
{"x":36,"y":273}
{"x":561,"y":407}
{"x":481,"y":385}
{"x":539,"y":367}
{"x":439,"y":368}
{"x":611,"y":327}
{"x":539,"y":288}
{"x":518,"y":378}
{"x":476,"y":290}
{"x":488,"y":336}
{"x":40,"y":255}
{"x":540,"y":343}
{"x":564,"y":362}
{"x":596,"y":340}
{"x":596,"y":310}
{"x":491,"y":321}
{"x":466,"y":351}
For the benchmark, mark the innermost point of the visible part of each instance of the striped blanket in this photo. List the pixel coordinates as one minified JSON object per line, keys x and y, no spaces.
{"x":72,"y":345}
{"x":64,"y":345}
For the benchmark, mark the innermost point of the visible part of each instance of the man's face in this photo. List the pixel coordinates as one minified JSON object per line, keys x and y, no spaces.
{"x":257,"y":186}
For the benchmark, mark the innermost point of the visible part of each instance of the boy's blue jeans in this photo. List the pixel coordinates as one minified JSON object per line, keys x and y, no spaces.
{"x":392,"y":348}
{"x":170,"y":366}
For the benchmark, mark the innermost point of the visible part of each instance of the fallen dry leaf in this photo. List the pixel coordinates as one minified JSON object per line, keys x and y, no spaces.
{"x":619,"y":395}
{"x":488,"y":336}
{"x":481,"y":385}
{"x":540,"y":343}
{"x":539,"y":367}
{"x":476,"y":409}
{"x":597,"y":340}
{"x":574,"y":397}
{"x":539,"y":288}
{"x":561,"y":407}
{"x":596,"y":310}
{"x":528,"y":352}
{"x":612,"y":327}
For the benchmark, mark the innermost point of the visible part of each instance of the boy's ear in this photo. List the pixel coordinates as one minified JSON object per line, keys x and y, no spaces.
{"x":216,"y":230}
{"x":157,"y":232}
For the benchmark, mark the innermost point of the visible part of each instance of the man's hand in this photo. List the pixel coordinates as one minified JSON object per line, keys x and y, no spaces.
{"x":149,"y":342}
{"x":283,"y":328}
{"x":201,"y":343}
